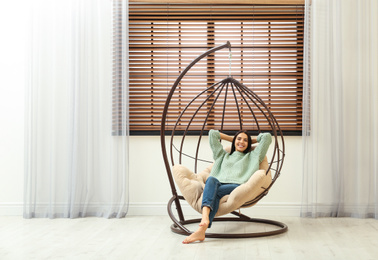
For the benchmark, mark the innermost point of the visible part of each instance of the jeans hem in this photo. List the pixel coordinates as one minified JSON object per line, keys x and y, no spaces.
{"x":206,"y":205}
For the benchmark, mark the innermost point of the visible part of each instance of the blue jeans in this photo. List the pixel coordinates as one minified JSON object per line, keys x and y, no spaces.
{"x":214,"y":190}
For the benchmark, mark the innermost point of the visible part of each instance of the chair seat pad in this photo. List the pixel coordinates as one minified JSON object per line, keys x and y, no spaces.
{"x":191,"y":186}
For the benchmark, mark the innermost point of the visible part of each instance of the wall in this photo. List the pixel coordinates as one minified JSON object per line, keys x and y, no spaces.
{"x":150,"y":190}
{"x":13,"y":61}
{"x":149,"y":186}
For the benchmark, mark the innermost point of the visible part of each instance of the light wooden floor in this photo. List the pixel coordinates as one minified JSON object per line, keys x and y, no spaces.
{"x":149,"y":237}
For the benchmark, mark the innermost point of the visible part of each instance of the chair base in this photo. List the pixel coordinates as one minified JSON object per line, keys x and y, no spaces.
{"x":179,"y":226}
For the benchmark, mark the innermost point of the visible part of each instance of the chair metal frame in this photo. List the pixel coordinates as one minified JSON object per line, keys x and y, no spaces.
{"x":249,"y":96}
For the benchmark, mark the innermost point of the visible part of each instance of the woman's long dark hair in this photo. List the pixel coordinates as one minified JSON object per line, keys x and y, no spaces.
{"x":248,"y":149}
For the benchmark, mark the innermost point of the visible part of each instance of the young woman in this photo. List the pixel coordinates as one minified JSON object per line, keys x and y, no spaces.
{"x":228,"y":172}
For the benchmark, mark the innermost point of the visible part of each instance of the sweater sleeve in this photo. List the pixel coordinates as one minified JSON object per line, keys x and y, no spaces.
{"x":215,"y":145}
{"x":264,"y":140}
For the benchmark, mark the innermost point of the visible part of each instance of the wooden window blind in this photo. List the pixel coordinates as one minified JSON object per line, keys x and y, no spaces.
{"x":267,"y":56}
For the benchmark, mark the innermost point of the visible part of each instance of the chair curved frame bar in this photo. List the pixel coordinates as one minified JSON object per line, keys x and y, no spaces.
{"x":179,"y":226}
{"x":249,"y":97}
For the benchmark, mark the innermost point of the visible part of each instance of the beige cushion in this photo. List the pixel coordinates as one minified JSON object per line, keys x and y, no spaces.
{"x":191,"y":186}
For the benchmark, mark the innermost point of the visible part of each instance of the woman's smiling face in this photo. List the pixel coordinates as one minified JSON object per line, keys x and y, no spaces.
{"x":241,"y":142}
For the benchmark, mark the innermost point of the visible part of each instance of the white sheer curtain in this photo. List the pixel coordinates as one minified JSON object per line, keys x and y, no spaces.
{"x":75,"y":165}
{"x":341,"y":105}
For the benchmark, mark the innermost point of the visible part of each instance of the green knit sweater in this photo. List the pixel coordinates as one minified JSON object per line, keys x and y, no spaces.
{"x":237,"y":167}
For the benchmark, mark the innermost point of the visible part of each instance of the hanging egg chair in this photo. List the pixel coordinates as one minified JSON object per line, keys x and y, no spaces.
{"x":220,"y":106}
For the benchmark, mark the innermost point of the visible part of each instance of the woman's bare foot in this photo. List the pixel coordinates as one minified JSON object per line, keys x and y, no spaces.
{"x":199,"y":235}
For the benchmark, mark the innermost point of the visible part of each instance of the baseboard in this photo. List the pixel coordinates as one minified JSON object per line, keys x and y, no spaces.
{"x":160,"y":209}
{"x":262,"y":209}
{"x":11,"y":209}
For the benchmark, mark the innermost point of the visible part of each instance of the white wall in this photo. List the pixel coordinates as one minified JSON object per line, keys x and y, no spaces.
{"x":13,"y":28}
{"x":150,"y":190}
{"x":149,"y":186}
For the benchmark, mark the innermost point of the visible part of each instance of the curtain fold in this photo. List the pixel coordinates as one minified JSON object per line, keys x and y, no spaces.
{"x":75,"y":166}
{"x":340,"y":143}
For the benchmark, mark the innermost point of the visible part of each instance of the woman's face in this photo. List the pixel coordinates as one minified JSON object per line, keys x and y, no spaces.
{"x":241,"y":142}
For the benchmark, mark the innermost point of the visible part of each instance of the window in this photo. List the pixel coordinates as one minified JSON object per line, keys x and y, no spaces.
{"x":267,"y":56}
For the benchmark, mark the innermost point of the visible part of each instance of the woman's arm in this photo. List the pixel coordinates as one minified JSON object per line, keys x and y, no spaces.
{"x":215,"y":145}
{"x":231,"y":138}
{"x":226,"y":137}
{"x":264,"y":140}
